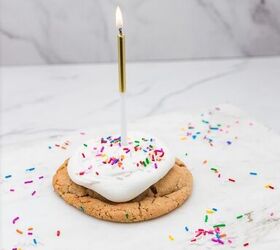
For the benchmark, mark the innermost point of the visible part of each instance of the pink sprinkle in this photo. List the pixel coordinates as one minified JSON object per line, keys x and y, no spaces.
{"x":34,"y":192}
{"x":41,"y":177}
{"x":102,"y":149}
{"x":193,"y":240}
{"x":156,"y":166}
{"x":28,"y":182}
{"x":15,"y":219}
{"x":12,"y":190}
{"x":229,"y":241}
{"x":30,"y":233}
{"x":82,"y":133}
{"x":83,"y":155}
{"x":90,"y":167}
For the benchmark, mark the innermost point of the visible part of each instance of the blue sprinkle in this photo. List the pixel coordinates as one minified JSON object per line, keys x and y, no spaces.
{"x":214,"y":128}
{"x":35,"y":241}
{"x":253,"y":173}
{"x":194,"y":137}
{"x":198,"y":133}
{"x":50,"y":147}
{"x":229,"y":142}
{"x":8,"y":176}
{"x":30,"y":169}
{"x":215,"y":209}
{"x":186,"y":228}
{"x":204,"y":121}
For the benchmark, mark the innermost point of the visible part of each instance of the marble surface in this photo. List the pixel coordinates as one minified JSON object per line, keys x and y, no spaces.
{"x":42,"y":106}
{"x":70,"y":31}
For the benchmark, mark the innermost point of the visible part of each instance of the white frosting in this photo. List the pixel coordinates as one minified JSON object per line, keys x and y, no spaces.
{"x":99,"y":165}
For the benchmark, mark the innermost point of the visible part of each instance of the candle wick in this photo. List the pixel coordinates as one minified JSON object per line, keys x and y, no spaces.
{"x":120,"y":30}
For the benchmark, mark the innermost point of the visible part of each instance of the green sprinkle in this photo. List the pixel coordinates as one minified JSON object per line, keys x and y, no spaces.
{"x":239,"y":216}
{"x":206,"y":218}
{"x":147,"y":161}
{"x":137,"y":142}
{"x":126,"y":215}
{"x":214,"y":169}
{"x":220,"y":225}
{"x":85,"y":145}
{"x":145,"y":164}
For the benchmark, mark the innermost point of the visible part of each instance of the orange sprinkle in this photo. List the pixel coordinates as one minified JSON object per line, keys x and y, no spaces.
{"x":19,"y":231}
{"x":204,"y":162}
{"x":223,"y":235}
{"x":30,"y":228}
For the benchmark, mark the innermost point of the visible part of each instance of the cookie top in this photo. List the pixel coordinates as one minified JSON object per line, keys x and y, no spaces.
{"x":120,"y":172}
{"x":161,"y":198}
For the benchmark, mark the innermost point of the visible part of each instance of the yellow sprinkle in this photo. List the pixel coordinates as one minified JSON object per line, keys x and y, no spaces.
{"x":171,"y":237}
{"x":209,"y":211}
{"x":183,"y":138}
{"x":183,"y":129}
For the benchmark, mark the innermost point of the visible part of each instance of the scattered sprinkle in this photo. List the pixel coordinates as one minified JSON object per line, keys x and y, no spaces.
{"x":15,"y":220}
{"x":28,"y":182}
{"x":30,"y":169}
{"x":219,"y":225}
{"x":253,"y":173}
{"x":239,"y":216}
{"x":269,"y":186}
{"x":246,"y":244}
{"x":8,"y":176}
{"x":206,"y":218}
{"x":57,"y":233}
{"x":33,"y":193}
{"x":170,"y":237}
{"x":19,"y":231}
{"x":230,"y":179}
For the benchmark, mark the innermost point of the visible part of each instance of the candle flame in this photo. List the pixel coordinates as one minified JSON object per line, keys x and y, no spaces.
{"x":119,"y":19}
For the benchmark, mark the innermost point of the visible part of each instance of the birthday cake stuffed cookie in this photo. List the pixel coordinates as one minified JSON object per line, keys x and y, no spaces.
{"x":138,"y":181}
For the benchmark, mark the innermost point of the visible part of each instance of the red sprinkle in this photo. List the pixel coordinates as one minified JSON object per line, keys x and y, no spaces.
{"x":246,"y":244}
{"x":34,"y":192}
{"x":83,"y":155}
{"x":57,"y":233}
{"x":97,"y":173}
{"x":232,"y":180}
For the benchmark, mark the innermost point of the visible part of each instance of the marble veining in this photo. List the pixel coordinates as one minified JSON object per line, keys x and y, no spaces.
{"x":52,"y":32}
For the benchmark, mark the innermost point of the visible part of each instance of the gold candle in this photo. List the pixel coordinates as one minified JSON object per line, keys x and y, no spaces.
{"x":121,"y":51}
{"x":122,"y":80}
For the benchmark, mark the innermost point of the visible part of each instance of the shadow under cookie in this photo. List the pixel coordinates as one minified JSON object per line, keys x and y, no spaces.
{"x":161,"y":198}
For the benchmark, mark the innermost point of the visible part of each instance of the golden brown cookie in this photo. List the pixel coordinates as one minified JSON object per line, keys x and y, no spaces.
{"x":161,"y":198}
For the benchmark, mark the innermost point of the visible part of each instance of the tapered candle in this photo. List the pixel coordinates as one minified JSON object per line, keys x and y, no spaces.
{"x":122,"y":73}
